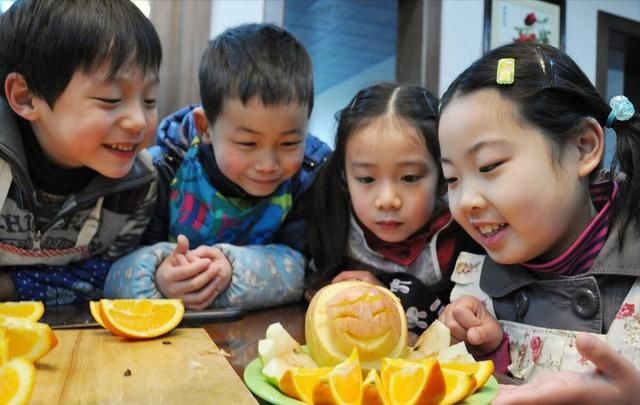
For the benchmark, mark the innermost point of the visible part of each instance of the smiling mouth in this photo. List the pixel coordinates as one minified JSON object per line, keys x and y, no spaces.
{"x":122,"y":147}
{"x":265,"y":181}
{"x":490,"y":230}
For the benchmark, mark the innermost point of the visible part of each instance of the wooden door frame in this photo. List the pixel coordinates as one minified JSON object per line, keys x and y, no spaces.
{"x":418,"y":47}
{"x":606,"y":23}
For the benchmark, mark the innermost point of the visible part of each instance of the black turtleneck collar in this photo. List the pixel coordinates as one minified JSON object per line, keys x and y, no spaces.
{"x":46,"y":175}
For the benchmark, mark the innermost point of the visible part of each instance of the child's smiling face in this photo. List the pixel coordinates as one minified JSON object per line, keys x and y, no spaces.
{"x":98,"y":123}
{"x":392,"y":178}
{"x":258,"y":146}
{"x":503,"y":186}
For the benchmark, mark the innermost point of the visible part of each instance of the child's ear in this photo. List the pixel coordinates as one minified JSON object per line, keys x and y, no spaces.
{"x":19,"y":96}
{"x":590,"y":144}
{"x":202,"y":124}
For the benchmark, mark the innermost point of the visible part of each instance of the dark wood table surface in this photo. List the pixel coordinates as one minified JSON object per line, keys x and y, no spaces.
{"x":240,"y":338}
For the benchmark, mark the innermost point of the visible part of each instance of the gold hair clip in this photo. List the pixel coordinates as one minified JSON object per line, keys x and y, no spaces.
{"x":506,"y":71}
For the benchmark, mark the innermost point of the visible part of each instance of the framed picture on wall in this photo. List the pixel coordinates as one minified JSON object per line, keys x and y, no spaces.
{"x":506,"y":21}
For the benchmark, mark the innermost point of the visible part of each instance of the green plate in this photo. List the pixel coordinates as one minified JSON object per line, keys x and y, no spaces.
{"x":258,"y":384}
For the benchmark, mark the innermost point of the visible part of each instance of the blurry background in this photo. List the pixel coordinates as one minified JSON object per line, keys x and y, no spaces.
{"x":354,"y":43}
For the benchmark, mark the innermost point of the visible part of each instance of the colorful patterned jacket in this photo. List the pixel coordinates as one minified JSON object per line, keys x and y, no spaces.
{"x":263,"y":274}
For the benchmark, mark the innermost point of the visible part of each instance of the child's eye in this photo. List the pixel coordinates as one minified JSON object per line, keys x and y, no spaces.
{"x":365,"y":180}
{"x":150,"y":102}
{"x":488,"y":168}
{"x":246,"y":144}
{"x":450,"y":180}
{"x":290,"y":145}
{"x":108,"y":100}
{"x":412,"y":178}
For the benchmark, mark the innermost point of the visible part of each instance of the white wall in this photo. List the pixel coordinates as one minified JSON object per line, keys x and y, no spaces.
{"x":461,"y":37}
{"x":228,"y":13}
{"x":462,"y":33}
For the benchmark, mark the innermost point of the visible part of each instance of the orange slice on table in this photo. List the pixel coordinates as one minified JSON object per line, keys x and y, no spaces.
{"x":480,"y":370}
{"x":28,"y":339}
{"x":94,"y":307}
{"x":459,"y":386}
{"x":411,"y":382}
{"x":16,"y":381}
{"x":32,"y":310}
{"x":141,"y":318}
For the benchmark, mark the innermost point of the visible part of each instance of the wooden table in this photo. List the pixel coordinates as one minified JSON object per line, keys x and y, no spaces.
{"x":91,"y":366}
{"x":65,"y":376}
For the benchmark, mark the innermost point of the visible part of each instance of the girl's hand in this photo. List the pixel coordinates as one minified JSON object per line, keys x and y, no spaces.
{"x":186,"y":276}
{"x":360,"y":275}
{"x":470,"y":322}
{"x":616,"y":381}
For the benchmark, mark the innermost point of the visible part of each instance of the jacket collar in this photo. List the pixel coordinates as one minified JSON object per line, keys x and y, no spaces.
{"x":11,"y":149}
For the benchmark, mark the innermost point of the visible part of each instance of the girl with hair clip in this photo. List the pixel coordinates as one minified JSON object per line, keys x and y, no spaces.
{"x":386,"y":221}
{"x":522,"y":142}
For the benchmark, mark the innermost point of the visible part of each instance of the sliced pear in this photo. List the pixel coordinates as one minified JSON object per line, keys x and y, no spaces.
{"x":456,"y":353}
{"x":276,"y":367}
{"x":277,"y":342}
{"x":435,"y":339}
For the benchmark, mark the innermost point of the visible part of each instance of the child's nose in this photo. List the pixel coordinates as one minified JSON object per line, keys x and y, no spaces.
{"x":388,"y":199}
{"x":135,"y":119}
{"x":470,"y":199}
{"x":267,"y":161}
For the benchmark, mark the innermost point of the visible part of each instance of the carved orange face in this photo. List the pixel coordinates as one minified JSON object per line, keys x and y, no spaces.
{"x":365,"y":318}
{"x":354,"y":314}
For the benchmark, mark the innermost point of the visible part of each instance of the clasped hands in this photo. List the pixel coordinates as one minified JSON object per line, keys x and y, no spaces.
{"x":198,"y":276}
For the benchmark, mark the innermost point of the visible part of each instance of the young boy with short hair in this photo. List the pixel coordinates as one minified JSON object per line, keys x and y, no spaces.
{"x":232,"y":176}
{"x":80,"y":80}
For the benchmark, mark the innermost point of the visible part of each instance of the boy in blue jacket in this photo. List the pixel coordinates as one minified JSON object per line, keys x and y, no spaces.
{"x":232,"y":176}
{"x":78,"y":105}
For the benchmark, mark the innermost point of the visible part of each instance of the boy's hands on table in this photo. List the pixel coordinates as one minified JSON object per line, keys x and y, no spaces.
{"x":470,"y":322}
{"x":616,"y":381}
{"x":360,"y":275}
{"x":197,"y":276}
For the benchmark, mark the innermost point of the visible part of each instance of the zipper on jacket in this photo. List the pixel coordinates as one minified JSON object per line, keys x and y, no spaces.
{"x":36,"y":240}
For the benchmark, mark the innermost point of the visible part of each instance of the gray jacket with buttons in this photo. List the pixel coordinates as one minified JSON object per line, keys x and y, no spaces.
{"x":586,"y":302}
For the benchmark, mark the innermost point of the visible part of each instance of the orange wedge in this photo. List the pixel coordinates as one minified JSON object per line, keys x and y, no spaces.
{"x":373,"y":391}
{"x":4,"y":346}
{"x":28,"y":339}
{"x":16,"y":381}
{"x":32,"y":310}
{"x":94,"y":307}
{"x":459,"y":386}
{"x":342,"y":385}
{"x":299,"y":382}
{"x":141,"y":318}
{"x":480,"y":370}
{"x":411,"y":382}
